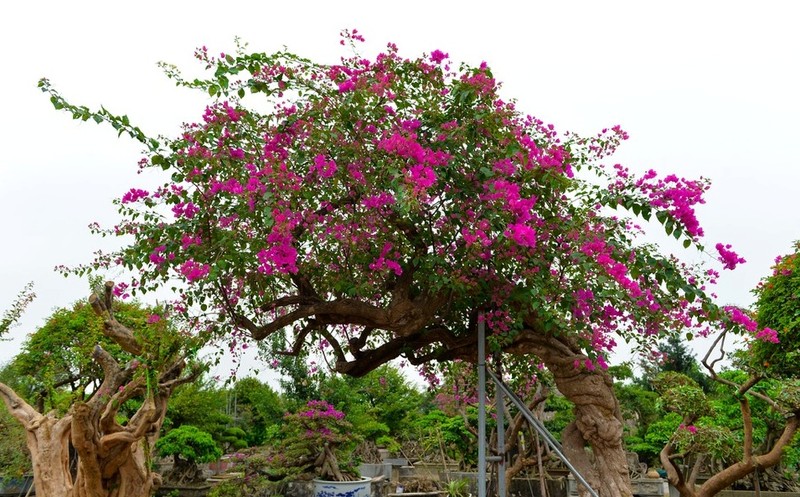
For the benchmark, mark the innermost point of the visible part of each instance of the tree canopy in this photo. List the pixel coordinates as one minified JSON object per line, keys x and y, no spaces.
{"x":778,"y":307}
{"x":383,"y":207}
{"x":380,"y":205}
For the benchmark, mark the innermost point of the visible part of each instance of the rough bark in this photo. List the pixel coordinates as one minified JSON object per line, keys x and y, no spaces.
{"x":598,"y":420}
{"x":111,"y":463}
{"x":109,"y":459}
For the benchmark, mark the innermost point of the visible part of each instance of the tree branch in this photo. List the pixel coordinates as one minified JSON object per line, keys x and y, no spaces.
{"x":747,"y":420}
{"x":21,"y":410}
{"x":727,"y":476}
{"x":674,"y":473}
{"x":111,"y":327}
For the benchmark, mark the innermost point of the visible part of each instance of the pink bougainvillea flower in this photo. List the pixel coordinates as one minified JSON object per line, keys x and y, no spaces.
{"x":194,"y":271}
{"x":728,"y":257}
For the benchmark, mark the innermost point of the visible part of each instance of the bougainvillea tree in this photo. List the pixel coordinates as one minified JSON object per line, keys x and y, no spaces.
{"x":769,"y":378}
{"x":382,"y":207}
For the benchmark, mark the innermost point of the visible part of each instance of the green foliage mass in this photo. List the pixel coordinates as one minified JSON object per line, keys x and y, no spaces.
{"x":257,"y":406}
{"x":237,"y":417}
{"x":190,"y":444}
{"x":14,"y":458}
{"x":437,"y":431}
{"x":778,"y":307}
{"x":199,"y":404}
{"x":560,"y":414}
{"x":681,"y":394}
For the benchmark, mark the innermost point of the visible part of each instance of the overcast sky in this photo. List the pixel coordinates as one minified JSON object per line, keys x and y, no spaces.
{"x":703,"y":88}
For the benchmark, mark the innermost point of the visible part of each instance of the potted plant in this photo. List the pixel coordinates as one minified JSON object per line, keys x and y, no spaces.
{"x":317,"y":442}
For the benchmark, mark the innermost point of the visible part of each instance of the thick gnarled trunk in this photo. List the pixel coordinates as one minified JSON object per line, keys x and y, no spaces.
{"x":598,"y":420}
{"x":48,"y":443}
{"x":103,"y":467}
{"x":87,"y":452}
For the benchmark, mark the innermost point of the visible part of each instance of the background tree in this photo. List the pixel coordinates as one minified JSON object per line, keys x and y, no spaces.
{"x":381,"y":405}
{"x":638,"y":403}
{"x":300,"y":376}
{"x":256,"y":406}
{"x":778,"y":307}
{"x":673,"y":354}
{"x":15,"y":460}
{"x":14,"y":456}
{"x":383,"y":207}
{"x":201,"y":404}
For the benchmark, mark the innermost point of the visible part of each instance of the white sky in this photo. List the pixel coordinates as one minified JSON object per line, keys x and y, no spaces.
{"x":703,"y":88}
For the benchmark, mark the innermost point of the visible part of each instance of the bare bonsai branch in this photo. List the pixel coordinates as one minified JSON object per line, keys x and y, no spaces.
{"x":17,"y":406}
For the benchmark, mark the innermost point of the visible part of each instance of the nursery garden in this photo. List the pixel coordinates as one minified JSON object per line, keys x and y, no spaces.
{"x":362,"y":224}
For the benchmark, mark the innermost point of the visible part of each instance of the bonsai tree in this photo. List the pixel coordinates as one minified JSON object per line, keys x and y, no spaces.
{"x":769,"y":377}
{"x":188,"y":446}
{"x":90,"y":450}
{"x":317,"y":442}
{"x":384,"y":207}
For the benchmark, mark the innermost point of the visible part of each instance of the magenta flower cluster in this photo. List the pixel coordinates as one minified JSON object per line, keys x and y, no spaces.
{"x":728,"y":257}
{"x":320,"y":409}
{"x":194,"y":271}
{"x":134,"y":195}
{"x":740,"y":318}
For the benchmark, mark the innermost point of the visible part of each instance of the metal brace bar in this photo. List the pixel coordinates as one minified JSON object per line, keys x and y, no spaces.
{"x":539,"y":427}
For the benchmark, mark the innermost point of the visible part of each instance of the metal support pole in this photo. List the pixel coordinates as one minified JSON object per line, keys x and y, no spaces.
{"x":539,"y":427}
{"x":500,"y":405}
{"x":481,"y":409}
